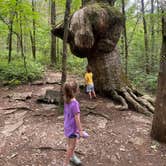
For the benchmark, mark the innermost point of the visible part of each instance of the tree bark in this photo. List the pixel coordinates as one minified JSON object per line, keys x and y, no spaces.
{"x":159,"y":120}
{"x":10,"y":35}
{"x":53,"y":38}
{"x":21,"y":45}
{"x":65,"y":36}
{"x":152,"y":36}
{"x":33,"y":33}
{"x":125,"y":37}
{"x":147,"y":68}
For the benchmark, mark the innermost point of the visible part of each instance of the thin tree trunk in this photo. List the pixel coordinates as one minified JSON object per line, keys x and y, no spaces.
{"x":10,"y":35}
{"x":125,"y":37}
{"x":18,"y":40}
{"x":152,"y":36}
{"x":65,"y":36}
{"x":33,"y":34}
{"x":64,"y":54}
{"x":159,"y":120}
{"x":58,"y":50}
{"x":145,"y":39}
{"x":21,"y":45}
{"x":158,"y":16}
{"x":53,"y":38}
{"x":10,"y":40}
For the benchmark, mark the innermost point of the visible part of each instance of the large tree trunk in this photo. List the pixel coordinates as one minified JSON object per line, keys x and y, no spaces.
{"x":159,"y":120}
{"x":93,"y":33}
{"x":107,"y":76}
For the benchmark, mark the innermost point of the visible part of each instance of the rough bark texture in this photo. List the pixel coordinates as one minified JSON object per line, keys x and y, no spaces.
{"x":94,"y":31}
{"x":53,"y":38}
{"x":159,"y":120}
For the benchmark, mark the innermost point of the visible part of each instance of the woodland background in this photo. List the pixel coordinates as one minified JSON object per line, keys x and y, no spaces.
{"x":27,"y":46}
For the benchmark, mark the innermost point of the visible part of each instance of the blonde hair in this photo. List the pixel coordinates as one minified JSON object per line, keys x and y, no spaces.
{"x":70,"y":89}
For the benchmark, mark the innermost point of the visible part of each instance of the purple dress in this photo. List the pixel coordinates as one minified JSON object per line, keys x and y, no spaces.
{"x":70,"y":110}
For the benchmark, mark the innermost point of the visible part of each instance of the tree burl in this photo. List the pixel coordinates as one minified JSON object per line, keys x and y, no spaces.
{"x":94,"y":31}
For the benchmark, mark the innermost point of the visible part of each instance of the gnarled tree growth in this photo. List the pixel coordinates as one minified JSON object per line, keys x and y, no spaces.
{"x":94,"y":31}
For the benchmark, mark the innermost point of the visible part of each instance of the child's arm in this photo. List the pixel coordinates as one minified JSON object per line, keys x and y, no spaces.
{"x":78,"y":123}
{"x":86,"y":79}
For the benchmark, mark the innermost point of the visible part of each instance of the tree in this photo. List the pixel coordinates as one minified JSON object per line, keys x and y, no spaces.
{"x":125,"y":36}
{"x":33,"y":33}
{"x":12,"y":13}
{"x":159,"y":120}
{"x":147,"y":68}
{"x":93,"y":33}
{"x":53,"y":38}
{"x":65,"y":36}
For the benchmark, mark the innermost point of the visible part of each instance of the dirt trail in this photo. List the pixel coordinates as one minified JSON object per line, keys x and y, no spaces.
{"x":31,"y":134}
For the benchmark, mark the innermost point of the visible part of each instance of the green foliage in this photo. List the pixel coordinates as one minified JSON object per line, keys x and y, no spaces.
{"x":144,"y":82}
{"x":15,"y":73}
{"x":76,"y":65}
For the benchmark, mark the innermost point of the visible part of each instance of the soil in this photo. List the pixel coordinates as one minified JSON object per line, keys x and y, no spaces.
{"x":31,"y":133}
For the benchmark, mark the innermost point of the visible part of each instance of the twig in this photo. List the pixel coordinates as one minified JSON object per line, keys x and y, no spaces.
{"x":97,"y":113}
{"x":56,"y":149}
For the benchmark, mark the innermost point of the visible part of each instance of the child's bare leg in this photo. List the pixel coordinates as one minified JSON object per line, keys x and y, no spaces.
{"x":94,"y":94}
{"x":90,"y":95}
{"x":71,"y":143}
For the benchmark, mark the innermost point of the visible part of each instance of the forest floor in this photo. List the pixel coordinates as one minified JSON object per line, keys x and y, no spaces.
{"x":31,"y":133}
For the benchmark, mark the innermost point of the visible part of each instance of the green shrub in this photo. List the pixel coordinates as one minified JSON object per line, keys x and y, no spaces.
{"x":15,"y":72}
{"x":145,"y":82}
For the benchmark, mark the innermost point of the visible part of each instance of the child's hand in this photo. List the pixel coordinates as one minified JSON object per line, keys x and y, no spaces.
{"x":81,"y":133}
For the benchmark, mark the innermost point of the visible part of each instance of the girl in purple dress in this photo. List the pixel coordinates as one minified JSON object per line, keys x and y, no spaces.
{"x":72,"y":124}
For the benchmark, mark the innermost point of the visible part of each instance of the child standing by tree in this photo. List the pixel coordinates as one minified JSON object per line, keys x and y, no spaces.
{"x":72,"y":123}
{"x":89,"y":82}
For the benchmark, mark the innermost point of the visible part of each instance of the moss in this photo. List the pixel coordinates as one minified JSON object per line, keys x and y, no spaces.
{"x":94,"y":9}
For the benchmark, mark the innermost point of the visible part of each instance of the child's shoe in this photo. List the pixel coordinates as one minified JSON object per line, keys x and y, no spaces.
{"x":85,"y":135}
{"x":75,"y":160}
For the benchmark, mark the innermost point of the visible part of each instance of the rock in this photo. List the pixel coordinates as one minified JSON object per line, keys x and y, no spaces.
{"x":140,"y":118}
{"x":117,"y":142}
{"x":114,"y":159}
{"x":38,"y":82}
{"x":122,"y":148}
{"x":20,"y":96}
{"x":137,"y":141}
{"x":51,"y":97}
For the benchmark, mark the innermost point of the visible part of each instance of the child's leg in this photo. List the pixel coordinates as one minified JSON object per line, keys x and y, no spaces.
{"x":71,"y":143}
{"x":90,"y":95}
{"x":94,"y":94}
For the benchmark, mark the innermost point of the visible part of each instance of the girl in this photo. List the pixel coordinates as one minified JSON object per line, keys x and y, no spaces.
{"x":72,"y":123}
{"x":89,"y":82}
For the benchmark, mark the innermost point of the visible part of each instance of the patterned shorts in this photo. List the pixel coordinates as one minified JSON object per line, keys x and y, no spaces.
{"x":89,"y":88}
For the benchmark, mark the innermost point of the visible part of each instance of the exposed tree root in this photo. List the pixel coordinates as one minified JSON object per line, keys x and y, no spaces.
{"x":129,"y":97}
{"x":119,"y":98}
{"x":96,"y":114}
{"x":142,"y":101}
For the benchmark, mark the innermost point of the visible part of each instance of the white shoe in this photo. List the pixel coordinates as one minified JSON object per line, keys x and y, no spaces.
{"x":75,"y":160}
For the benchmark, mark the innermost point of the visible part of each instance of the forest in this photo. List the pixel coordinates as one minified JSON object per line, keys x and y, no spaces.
{"x":46,"y":43}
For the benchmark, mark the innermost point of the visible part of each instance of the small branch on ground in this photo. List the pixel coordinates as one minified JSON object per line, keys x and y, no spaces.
{"x":56,"y":149}
{"x":96,"y":114}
